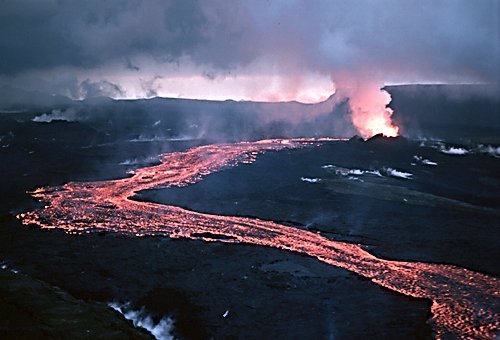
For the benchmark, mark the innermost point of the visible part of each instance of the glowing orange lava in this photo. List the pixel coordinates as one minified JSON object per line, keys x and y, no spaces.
{"x":464,"y":303}
{"x":370,"y":114}
{"x":371,"y":124}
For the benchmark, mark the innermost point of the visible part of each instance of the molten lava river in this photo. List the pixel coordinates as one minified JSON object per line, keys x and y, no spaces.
{"x":465,"y":304}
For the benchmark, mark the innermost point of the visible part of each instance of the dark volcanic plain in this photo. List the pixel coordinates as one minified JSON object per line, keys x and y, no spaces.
{"x":446,"y":213}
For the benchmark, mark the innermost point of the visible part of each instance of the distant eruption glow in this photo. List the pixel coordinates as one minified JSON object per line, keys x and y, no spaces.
{"x":370,"y":114}
{"x":368,"y":102}
{"x":372,"y":123}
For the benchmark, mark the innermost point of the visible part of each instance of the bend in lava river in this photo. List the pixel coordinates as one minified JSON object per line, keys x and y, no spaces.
{"x":465,"y":304}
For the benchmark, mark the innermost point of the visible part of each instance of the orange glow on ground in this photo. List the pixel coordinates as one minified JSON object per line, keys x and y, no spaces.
{"x":465,"y":304}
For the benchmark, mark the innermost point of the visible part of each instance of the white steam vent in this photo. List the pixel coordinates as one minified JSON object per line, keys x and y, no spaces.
{"x":140,"y":318}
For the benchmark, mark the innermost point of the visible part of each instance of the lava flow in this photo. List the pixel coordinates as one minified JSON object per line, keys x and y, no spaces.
{"x":464,"y":303}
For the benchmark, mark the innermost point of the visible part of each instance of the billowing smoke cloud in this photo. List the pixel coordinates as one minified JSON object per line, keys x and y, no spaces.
{"x":265,"y":50}
{"x":370,"y":114}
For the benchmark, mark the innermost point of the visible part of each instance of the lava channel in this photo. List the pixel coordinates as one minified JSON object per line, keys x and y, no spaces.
{"x":465,"y":303}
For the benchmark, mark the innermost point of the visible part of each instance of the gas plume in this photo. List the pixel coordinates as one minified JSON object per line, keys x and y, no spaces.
{"x":258,"y":50}
{"x":368,"y":102}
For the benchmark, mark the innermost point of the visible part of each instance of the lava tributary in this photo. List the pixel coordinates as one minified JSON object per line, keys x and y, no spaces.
{"x":464,"y":303}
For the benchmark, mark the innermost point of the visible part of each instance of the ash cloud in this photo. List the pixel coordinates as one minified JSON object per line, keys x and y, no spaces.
{"x":91,"y":89}
{"x":127,"y":48}
{"x":412,"y":40}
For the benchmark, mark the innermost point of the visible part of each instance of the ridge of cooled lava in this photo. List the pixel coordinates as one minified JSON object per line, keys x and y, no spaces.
{"x":464,"y":303}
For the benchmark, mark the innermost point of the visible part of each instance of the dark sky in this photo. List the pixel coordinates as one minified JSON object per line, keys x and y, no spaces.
{"x":272,"y":50}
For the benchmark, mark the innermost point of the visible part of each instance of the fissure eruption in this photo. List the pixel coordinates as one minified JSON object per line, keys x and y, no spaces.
{"x":464,"y":303}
